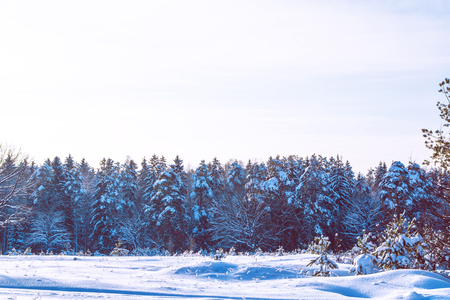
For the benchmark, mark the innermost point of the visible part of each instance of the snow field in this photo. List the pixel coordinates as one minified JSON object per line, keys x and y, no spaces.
{"x":178,"y":277}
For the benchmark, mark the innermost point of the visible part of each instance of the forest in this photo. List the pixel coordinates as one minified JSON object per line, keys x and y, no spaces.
{"x":159,"y":206}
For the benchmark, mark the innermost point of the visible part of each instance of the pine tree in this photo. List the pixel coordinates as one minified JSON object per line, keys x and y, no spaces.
{"x":400,"y":248}
{"x":44,"y":185}
{"x":59,"y":181}
{"x":217,"y":174}
{"x":106,"y":206}
{"x":256,"y":174}
{"x":202,"y":196}
{"x":440,"y":180}
{"x":379,"y":173}
{"x":73,"y":193}
{"x":169,"y":210}
{"x":16,"y":235}
{"x":84,"y":205}
{"x":341,"y":184}
{"x":154,"y":169}
{"x":350,"y":175}
{"x":129,"y":186}
{"x":325,"y":264}
{"x":236,"y":180}
{"x":421,"y":200}
{"x":394,"y":189}
{"x":438,"y":140}
{"x":52,"y":219}
{"x":279,"y":194}
{"x":362,"y":213}
{"x":314,"y":195}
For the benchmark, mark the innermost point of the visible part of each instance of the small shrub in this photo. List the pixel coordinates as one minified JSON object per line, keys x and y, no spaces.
{"x":364,"y":244}
{"x":364,"y":264}
{"x":258,"y":252}
{"x":399,"y":247}
{"x":325,"y":264}
{"x":119,"y":251}
{"x":280,"y":251}
{"x":219,"y":254}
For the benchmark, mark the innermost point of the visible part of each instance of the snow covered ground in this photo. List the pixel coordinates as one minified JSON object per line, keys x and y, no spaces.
{"x":196,"y":277}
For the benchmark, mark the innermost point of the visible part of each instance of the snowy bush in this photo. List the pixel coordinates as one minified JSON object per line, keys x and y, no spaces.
{"x":146,"y":252}
{"x":13,"y":251}
{"x":258,"y":252}
{"x":68,"y":250}
{"x":364,"y":245}
{"x":313,"y":248}
{"x":322,"y":243}
{"x":437,"y":244}
{"x":219,"y":254}
{"x":399,"y":248}
{"x":364,"y":264}
{"x":280,"y":251}
{"x":119,"y":251}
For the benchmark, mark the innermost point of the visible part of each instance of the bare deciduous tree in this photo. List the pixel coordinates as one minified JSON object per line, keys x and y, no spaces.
{"x":48,"y":231}
{"x":15,"y":181}
{"x":241,"y":223}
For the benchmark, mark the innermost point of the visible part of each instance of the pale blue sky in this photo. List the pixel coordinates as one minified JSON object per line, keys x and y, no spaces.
{"x":232,"y":79}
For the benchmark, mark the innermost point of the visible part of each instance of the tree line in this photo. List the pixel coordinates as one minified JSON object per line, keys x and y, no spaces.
{"x":287,"y":201}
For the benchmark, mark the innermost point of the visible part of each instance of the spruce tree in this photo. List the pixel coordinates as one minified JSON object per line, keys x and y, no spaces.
{"x":400,"y":246}
{"x":341,"y":189}
{"x":394,"y":189}
{"x":363,"y":212}
{"x":256,"y":174}
{"x":421,"y":201}
{"x":169,"y":210}
{"x":154,"y":169}
{"x":313,"y":191}
{"x":73,"y":193}
{"x":379,"y":173}
{"x":217,"y":173}
{"x":202,"y":196}
{"x":129,"y":186}
{"x":105,"y":208}
{"x":236,"y":181}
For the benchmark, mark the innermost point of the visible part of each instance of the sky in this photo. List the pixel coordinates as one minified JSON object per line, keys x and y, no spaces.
{"x":227,"y":79}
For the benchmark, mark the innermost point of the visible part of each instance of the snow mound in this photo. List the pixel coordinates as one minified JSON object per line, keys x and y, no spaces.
{"x":399,"y":284}
{"x":215,"y":269}
{"x":266,"y":273}
{"x":230,"y":271}
{"x":238,"y":277}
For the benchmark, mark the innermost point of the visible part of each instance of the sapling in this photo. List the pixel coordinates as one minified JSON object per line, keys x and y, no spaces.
{"x":324,"y":263}
{"x":364,"y":263}
{"x":219,"y":254}
{"x":280,"y":251}
{"x":119,"y":251}
{"x":399,"y":247}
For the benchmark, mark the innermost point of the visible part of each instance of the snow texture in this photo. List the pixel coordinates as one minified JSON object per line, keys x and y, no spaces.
{"x":197,"y":277}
